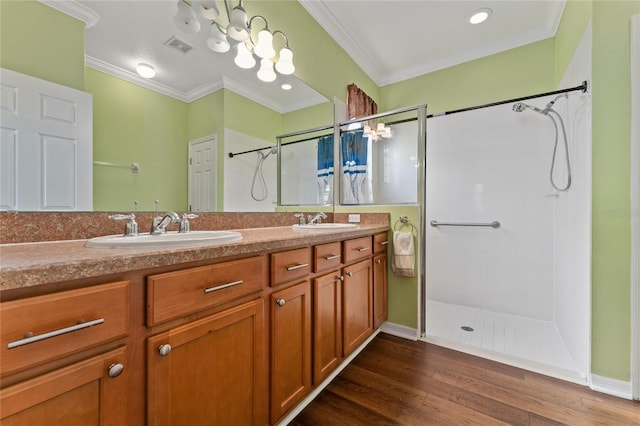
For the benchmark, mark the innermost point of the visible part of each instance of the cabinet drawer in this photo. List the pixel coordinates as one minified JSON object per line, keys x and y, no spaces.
{"x":42,"y":328}
{"x":380,"y":242}
{"x":175,"y":294}
{"x":326,"y":256}
{"x":357,"y":248}
{"x":289,"y":265}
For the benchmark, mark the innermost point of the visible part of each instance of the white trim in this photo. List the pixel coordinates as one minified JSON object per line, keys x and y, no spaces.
{"x":302,"y":405}
{"x":399,"y":330}
{"x":635,"y":205}
{"x":611,"y":386}
{"x":319,"y":11}
{"x":75,"y":10}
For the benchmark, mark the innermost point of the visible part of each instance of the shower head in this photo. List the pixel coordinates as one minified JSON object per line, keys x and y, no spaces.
{"x":519,"y":107}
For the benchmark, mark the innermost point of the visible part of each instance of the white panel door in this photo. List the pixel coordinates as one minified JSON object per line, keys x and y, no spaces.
{"x":202,"y":174}
{"x":46,"y":145}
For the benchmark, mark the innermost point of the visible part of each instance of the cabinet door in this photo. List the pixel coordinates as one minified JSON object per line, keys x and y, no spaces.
{"x":211,"y":371}
{"x":290,"y":348}
{"x":379,"y":289}
{"x":89,"y":392}
{"x":357,"y":314}
{"x":327,"y":325}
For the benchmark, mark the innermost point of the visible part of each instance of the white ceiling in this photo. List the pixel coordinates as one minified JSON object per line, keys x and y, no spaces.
{"x":391,"y":40}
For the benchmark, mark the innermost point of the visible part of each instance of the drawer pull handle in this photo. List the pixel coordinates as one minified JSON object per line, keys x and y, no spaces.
{"x":300,"y":266}
{"x":220,"y":287}
{"x":384,"y":243}
{"x":32,"y":339}
{"x":280,"y":302}
{"x":165,"y":349}
{"x":332,"y":257}
{"x":361,"y":249}
{"x":115,"y":370}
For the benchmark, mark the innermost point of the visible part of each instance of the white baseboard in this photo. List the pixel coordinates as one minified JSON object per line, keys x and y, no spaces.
{"x":399,"y":330}
{"x":611,"y":386}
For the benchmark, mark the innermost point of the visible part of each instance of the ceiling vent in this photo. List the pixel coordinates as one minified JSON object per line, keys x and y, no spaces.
{"x":178,"y":44}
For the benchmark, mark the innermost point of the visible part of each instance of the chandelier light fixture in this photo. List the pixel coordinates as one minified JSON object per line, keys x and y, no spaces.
{"x":203,"y":15}
{"x":381,"y":131}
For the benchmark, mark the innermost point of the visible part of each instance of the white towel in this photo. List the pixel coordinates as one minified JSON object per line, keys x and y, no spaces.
{"x":403,"y":254}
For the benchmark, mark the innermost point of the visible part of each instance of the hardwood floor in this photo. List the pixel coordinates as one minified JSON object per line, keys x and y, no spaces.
{"x":400,"y":382}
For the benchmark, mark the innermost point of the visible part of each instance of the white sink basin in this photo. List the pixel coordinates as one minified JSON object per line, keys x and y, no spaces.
{"x":168,"y":240}
{"x":325,"y":227}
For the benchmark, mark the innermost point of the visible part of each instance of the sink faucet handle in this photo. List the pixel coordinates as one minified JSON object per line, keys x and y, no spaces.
{"x":131,"y":227}
{"x":184,"y":223}
{"x":300,"y":217}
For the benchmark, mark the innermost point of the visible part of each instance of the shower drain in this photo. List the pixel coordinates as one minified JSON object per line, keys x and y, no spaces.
{"x":466,"y":328}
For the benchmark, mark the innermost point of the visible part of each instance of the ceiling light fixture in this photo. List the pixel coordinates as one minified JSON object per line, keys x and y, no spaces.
{"x":381,"y":131}
{"x":286,"y":86}
{"x":146,"y":70}
{"x":479,"y":16}
{"x":236,"y":33}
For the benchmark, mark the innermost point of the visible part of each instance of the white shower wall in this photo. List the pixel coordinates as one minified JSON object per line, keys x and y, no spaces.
{"x":485,"y":165}
{"x":239,"y":170}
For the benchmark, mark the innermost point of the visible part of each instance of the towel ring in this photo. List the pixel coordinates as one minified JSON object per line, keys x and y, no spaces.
{"x":404,"y":221}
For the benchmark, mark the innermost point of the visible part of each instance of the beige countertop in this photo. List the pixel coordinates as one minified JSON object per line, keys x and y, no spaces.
{"x":31,"y":264}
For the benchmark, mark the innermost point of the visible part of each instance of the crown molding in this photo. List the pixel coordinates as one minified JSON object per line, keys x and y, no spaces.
{"x":329,"y":23}
{"x":75,"y":10}
{"x":241,"y":90}
{"x":134,"y":78}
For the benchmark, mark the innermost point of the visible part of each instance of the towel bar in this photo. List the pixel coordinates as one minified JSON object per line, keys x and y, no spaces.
{"x":495,"y":224}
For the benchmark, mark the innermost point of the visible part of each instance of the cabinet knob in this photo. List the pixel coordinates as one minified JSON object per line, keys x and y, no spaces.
{"x":280,"y":302}
{"x":341,"y":277}
{"x":164,"y":349}
{"x":115,"y":370}
{"x":349,"y":274}
{"x":378,"y":261}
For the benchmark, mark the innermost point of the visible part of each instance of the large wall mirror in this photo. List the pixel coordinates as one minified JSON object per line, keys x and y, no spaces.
{"x":162,"y":124}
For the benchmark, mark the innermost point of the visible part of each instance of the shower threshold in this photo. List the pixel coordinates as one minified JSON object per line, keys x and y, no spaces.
{"x":526,"y":343}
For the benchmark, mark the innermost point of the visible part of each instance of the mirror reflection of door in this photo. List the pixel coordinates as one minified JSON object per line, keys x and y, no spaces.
{"x":202,"y":174}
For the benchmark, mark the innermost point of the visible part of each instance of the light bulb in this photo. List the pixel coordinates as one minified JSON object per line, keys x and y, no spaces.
{"x":206,"y":8}
{"x":264,"y":48}
{"x":380,"y":128}
{"x":146,"y":70}
{"x":266,"y":72}
{"x":285,"y":62}
{"x":217,"y":41}
{"x":186,"y":19}
{"x":244,"y":58}
{"x":237,"y":28}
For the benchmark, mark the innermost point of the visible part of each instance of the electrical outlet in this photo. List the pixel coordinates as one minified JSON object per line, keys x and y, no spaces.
{"x":354,"y":218}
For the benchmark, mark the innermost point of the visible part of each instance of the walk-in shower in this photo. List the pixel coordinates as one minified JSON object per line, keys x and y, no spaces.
{"x":517,"y":292}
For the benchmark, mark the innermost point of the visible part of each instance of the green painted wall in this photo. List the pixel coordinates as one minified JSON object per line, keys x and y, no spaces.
{"x":308,"y":118}
{"x":611,"y":250}
{"x":40,"y":41}
{"x":133,"y":124}
{"x":517,"y":72}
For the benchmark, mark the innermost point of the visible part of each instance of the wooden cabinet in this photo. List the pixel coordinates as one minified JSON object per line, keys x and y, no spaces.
{"x":357,"y":316}
{"x":51,"y":333}
{"x":380,"y":309}
{"x":89,"y":392}
{"x":290,"y":347}
{"x":327,"y":325}
{"x":210,"y":371}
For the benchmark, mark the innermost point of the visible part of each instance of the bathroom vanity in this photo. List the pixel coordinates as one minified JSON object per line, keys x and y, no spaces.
{"x":236,"y":333}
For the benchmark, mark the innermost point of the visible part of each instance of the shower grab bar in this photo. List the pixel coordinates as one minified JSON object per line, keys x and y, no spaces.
{"x":495,"y":224}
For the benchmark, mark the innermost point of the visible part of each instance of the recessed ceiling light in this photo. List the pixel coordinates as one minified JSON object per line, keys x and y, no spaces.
{"x":146,"y":70}
{"x":480,"y":16}
{"x":286,"y":86}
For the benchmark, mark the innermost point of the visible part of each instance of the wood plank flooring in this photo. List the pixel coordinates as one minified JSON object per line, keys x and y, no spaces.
{"x":401,"y":382}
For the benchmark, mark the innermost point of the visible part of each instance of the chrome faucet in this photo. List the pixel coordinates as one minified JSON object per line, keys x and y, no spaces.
{"x":300,"y":217}
{"x":316,"y":218}
{"x":161,"y":227}
{"x":184,"y":223}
